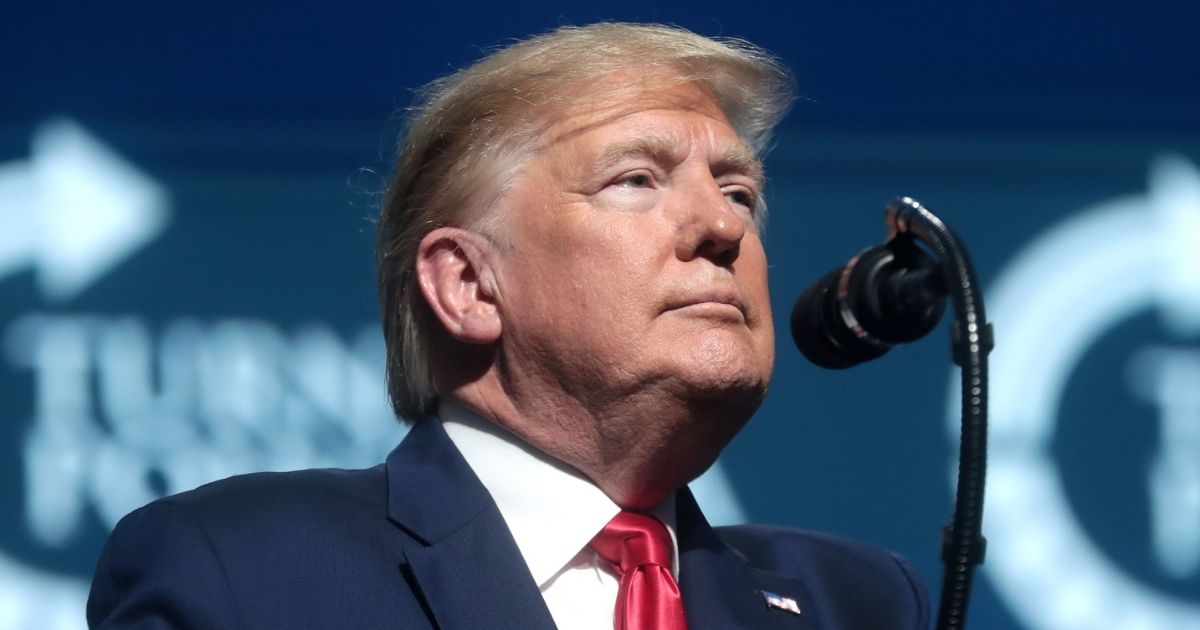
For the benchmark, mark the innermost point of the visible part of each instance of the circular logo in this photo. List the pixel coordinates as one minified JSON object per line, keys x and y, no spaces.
{"x":1067,"y":290}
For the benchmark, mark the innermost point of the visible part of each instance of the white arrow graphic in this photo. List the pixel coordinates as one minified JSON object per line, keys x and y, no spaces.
{"x":74,"y":210}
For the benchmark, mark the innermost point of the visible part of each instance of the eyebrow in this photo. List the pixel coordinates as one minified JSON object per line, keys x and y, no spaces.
{"x":737,"y":158}
{"x":740,"y":159}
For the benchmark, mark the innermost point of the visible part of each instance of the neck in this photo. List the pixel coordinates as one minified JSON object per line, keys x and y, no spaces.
{"x":637,"y":447}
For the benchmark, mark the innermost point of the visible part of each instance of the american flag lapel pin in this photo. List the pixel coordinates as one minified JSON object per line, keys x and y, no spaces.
{"x":775,"y":600}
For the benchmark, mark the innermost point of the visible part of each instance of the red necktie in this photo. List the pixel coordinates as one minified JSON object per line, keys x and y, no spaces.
{"x":639,"y":549}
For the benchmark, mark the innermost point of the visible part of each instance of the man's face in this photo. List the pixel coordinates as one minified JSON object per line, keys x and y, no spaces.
{"x":630,"y":257}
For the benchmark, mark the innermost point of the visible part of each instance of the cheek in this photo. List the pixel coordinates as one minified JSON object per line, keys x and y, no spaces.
{"x":622,"y":253}
{"x":592,"y":286}
{"x":751,"y":269}
{"x":754,"y":274}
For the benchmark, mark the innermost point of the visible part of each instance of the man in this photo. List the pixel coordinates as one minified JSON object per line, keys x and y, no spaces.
{"x":575,"y":306}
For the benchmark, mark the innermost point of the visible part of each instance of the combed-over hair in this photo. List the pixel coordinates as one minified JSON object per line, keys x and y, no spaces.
{"x":472,"y":131}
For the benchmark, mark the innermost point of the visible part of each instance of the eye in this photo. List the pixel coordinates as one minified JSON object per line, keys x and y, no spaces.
{"x":742,"y":197}
{"x":637,"y":179}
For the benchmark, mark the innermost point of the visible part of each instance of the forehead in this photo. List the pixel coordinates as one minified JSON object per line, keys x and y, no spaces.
{"x":619,"y":116}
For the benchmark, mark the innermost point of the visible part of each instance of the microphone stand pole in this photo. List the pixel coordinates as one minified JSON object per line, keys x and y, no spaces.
{"x":963,"y":545}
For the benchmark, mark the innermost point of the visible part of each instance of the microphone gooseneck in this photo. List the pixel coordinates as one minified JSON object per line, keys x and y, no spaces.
{"x":895,"y":293}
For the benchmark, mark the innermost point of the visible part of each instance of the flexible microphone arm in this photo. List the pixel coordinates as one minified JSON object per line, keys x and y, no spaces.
{"x":963,"y":545}
{"x":892,"y":294}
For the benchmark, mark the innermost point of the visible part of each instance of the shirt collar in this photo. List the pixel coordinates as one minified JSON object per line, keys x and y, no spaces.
{"x":551,"y":509}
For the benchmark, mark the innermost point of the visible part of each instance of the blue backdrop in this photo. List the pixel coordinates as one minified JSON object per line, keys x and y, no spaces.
{"x":186,"y":288}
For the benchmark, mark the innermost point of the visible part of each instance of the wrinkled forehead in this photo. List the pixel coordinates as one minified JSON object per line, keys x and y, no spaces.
{"x":604,"y":117}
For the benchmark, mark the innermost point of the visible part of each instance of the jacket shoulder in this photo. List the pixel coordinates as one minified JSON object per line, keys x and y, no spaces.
{"x":850,"y":580}
{"x":305,"y":548}
{"x":321,"y":494}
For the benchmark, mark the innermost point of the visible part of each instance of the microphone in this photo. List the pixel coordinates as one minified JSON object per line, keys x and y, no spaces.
{"x":887,"y":295}
{"x":895,"y":293}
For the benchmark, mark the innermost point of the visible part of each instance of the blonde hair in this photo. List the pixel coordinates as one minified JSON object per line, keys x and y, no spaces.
{"x":472,"y":130}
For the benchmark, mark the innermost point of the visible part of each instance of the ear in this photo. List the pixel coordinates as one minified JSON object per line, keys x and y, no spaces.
{"x":455,"y":278}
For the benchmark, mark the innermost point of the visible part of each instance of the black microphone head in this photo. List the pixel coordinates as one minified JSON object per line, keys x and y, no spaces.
{"x":895,"y":292}
{"x":887,"y":295}
{"x":820,"y":331}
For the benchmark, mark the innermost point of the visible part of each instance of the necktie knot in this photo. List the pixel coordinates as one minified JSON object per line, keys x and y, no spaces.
{"x":639,"y":549}
{"x":632,"y":540}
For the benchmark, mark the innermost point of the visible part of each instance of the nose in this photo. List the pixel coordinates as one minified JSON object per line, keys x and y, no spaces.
{"x":710,"y":228}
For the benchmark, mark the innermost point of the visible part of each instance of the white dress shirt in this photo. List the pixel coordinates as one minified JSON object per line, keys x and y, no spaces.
{"x":553,"y":513}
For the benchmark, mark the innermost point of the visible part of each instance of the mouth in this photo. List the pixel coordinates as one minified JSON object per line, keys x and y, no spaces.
{"x":719,"y":304}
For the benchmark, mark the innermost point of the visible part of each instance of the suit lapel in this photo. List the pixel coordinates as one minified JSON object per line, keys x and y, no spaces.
{"x":465,"y":564}
{"x":719,"y":589}
{"x":466,"y":567}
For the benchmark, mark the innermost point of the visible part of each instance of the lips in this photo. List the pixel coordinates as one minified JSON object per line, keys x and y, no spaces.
{"x":717,"y":300}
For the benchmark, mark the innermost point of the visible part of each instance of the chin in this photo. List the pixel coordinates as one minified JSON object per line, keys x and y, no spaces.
{"x":719,"y":368}
{"x":723,"y":400}
{"x":724,"y":381}
{"x":726,"y":403}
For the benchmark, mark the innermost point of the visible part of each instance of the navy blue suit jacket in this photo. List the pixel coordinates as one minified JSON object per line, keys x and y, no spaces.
{"x":417,"y":542}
